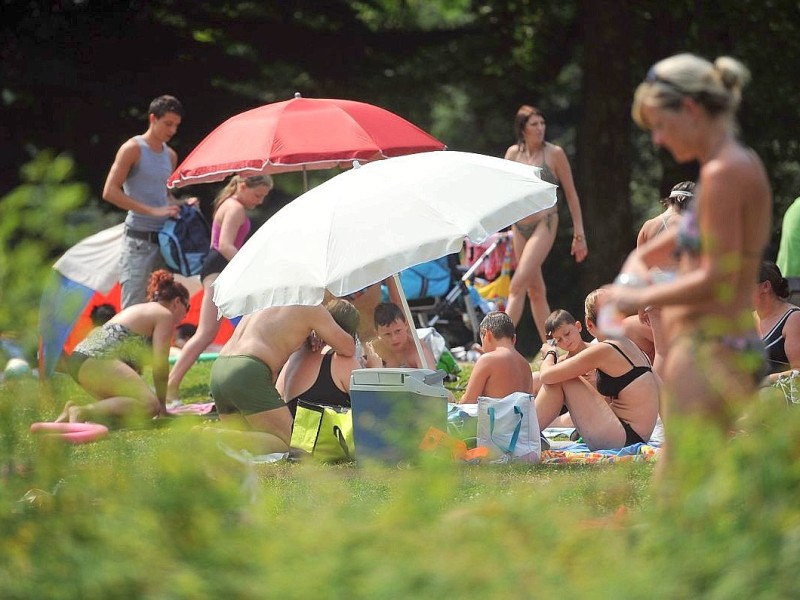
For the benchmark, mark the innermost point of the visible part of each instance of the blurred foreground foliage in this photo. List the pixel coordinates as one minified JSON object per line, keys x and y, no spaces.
{"x":163,"y":513}
{"x":37,"y":222}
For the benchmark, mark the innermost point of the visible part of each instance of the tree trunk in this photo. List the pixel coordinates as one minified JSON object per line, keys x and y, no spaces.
{"x":603,"y":162}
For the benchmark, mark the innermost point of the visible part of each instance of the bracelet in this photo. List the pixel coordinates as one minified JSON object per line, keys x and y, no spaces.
{"x":578,"y":237}
{"x":548,"y":353}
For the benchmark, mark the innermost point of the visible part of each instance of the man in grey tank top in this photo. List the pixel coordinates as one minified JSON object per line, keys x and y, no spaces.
{"x":137,"y":182}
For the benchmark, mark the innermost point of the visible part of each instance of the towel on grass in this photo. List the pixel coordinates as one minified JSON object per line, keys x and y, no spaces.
{"x":579,"y":453}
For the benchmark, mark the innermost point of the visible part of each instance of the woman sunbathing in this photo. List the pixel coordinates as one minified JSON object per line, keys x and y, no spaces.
{"x":622,"y":410}
{"x":108,"y":362}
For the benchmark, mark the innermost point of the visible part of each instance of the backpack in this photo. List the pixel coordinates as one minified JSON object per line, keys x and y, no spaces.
{"x":185,"y":241}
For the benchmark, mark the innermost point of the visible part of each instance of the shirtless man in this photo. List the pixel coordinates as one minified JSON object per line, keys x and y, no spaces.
{"x":243,"y":377}
{"x":500,"y":370}
{"x":394,"y":345}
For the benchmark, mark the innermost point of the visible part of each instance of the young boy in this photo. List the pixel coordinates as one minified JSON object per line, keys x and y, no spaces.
{"x":562,"y":330}
{"x":394,"y":345}
{"x":500,"y":370}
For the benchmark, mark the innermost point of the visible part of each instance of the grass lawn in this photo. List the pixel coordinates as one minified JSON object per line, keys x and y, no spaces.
{"x":163,"y":513}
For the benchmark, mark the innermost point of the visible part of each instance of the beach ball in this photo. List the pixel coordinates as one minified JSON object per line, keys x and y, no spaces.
{"x":17,"y":367}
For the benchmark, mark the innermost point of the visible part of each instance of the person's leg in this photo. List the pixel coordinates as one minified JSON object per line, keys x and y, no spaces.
{"x":138,"y":260}
{"x":244,"y":434}
{"x":528,"y":278}
{"x":660,"y":341}
{"x":599,"y":426}
{"x":119,"y":390}
{"x":207,"y":329}
{"x":548,"y":403}
{"x":245,"y":394}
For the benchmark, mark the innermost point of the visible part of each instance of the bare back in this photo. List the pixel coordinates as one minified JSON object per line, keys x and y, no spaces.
{"x":497,"y":374}
{"x":274,"y":333}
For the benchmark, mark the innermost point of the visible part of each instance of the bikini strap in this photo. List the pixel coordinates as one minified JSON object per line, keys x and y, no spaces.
{"x":618,"y":349}
{"x":782,"y":321}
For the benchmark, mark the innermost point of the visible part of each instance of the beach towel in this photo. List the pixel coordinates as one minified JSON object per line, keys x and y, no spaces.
{"x":579,"y":453}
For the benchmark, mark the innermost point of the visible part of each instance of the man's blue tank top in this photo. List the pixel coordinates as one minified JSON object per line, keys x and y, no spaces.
{"x":147,"y":183}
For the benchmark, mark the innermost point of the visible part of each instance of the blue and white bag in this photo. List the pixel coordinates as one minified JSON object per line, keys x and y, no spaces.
{"x":185,"y":241}
{"x":509,"y":428}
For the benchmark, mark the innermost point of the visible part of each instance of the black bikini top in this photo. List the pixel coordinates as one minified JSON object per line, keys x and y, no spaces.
{"x":611,"y":386}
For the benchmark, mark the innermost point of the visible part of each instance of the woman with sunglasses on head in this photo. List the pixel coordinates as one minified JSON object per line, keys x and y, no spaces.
{"x":534,"y":236}
{"x":108,"y":363}
{"x":229,"y":230}
{"x":715,"y":355}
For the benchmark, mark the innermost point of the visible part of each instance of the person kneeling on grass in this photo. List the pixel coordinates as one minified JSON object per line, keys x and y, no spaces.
{"x":500,"y":370}
{"x":243,"y":377}
{"x":108,"y":362}
{"x":622,"y":410}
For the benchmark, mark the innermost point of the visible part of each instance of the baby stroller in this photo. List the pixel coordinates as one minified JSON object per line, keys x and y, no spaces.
{"x":456,"y":313}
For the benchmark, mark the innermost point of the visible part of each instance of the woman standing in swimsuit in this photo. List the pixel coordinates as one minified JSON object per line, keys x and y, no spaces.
{"x":107,"y":363}
{"x":229,"y":230}
{"x":778,"y":321}
{"x":715,"y":352}
{"x":534,"y":236}
{"x":645,"y":328}
{"x":621,"y":410}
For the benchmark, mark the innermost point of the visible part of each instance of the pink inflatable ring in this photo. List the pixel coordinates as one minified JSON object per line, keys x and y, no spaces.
{"x":74,"y":433}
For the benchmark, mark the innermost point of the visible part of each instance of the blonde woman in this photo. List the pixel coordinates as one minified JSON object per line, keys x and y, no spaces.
{"x":534,"y":236}
{"x":715,"y":355}
{"x":229,"y":230}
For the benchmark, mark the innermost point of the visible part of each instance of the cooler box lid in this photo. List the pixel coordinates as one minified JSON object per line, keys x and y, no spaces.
{"x":420,"y":381}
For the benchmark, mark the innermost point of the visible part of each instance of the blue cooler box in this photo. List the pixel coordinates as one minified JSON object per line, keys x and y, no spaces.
{"x":392,"y":411}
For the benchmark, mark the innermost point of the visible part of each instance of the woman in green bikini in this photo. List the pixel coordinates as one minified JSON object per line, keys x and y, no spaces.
{"x":534,"y":236}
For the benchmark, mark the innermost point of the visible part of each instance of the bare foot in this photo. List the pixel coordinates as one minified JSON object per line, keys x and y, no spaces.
{"x":64,"y":416}
{"x":76,"y":414}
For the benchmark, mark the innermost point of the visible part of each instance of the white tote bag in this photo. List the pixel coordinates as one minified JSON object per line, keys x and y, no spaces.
{"x":509,"y":428}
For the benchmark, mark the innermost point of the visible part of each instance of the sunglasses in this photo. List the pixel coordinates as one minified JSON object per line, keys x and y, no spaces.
{"x":186,"y":304}
{"x":653,"y":77}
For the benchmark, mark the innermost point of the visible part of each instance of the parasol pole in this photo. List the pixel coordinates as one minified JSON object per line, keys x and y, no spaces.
{"x":410,"y":321}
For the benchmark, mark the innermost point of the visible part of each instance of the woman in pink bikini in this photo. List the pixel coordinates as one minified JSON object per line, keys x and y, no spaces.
{"x":229,"y":230}
{"x":534,"y":235}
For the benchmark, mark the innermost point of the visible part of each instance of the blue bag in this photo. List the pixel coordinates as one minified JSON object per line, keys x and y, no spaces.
{"x":185,"y":241}
{"x":431,"y":278}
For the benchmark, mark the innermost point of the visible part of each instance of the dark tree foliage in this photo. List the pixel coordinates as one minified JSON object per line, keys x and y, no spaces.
{"x":77,"y":75}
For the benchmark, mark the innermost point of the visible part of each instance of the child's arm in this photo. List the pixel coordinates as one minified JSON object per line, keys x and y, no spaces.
{"x":477,"y":381}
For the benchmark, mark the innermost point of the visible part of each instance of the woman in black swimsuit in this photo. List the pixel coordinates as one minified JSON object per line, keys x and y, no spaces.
{"x":534,"y":236}
{"x":320,"y":375}
{"x":778,"y":321}
{"x":622,"y":410}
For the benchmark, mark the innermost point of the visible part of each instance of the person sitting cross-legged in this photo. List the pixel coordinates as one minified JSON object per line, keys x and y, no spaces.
{"x":501,"y":370}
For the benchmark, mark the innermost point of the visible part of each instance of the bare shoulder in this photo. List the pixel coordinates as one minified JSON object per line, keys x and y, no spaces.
{"x":129,"y":151}
{"x":555,"y":150}
{"x":513,"y":152}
